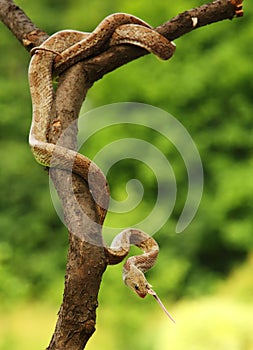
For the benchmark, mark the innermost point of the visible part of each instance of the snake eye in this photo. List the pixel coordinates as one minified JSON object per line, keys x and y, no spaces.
{"x":136,"y":287}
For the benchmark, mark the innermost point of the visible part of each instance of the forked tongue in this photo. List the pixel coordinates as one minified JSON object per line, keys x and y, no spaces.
{"x":152,"y":292}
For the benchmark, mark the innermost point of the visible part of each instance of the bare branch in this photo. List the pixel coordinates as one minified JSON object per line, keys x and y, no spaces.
{"x":20,"y":25}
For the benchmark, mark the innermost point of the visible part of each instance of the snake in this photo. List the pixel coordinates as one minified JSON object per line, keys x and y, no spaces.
{"x":68,"y":47}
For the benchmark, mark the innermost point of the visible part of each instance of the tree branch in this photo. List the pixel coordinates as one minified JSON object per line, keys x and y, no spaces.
{"x":87,"y":261}
{"x":116,"y":56}
{"x":20,"y":25}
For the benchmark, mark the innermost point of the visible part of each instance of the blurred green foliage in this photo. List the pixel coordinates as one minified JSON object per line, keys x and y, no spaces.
{"x":207,"y":86}
{"x":222,"y":321}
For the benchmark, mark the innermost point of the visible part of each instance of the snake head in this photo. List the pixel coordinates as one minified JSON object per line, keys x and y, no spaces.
{"x":135,"y":280}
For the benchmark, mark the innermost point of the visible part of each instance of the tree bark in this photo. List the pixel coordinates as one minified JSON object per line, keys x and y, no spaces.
{"x":86,"y":257}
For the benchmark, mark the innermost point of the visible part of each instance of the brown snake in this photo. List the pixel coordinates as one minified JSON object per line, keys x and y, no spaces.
{"x":69,"y":47}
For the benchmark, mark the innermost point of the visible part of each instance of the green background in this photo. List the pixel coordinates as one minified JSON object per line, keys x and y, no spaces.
{"x":203,"y":275}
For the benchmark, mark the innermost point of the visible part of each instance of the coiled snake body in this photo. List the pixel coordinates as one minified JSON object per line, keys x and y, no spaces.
{"x":69,"y":47}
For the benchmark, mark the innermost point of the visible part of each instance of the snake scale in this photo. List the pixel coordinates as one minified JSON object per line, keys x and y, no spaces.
{"x":70,"y":47}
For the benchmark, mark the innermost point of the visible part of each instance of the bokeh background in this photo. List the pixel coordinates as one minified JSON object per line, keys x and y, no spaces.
{"x":204,"y":274}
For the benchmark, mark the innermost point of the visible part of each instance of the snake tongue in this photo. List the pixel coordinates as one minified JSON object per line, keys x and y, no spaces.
{"x":153,"y":293}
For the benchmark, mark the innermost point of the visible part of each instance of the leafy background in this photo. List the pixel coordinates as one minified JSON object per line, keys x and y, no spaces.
{"x":204,"y":275}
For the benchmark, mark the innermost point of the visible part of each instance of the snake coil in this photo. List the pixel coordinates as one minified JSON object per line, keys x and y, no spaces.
{"x":69,"y":47}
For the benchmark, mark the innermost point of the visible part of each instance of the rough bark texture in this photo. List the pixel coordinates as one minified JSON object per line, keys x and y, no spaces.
{"x":87,"y":262}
